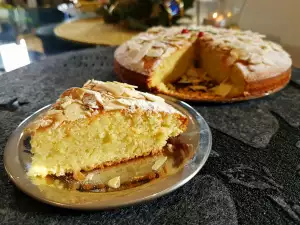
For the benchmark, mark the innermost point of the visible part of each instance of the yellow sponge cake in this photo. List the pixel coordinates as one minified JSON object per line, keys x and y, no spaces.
{"x":98,"y":125}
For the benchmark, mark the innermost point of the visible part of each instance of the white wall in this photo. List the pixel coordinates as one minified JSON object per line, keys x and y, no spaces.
{"x":278,"y":18}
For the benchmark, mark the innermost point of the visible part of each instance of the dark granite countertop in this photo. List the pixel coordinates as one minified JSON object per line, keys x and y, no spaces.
{"x":251,"y":177}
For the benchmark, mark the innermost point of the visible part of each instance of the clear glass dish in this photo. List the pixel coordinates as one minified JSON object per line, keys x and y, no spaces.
{"x":16,"y":161}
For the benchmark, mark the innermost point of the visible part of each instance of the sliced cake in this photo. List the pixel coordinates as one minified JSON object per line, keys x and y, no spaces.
{"x":101,"y":124}
{"x":214,"y":62}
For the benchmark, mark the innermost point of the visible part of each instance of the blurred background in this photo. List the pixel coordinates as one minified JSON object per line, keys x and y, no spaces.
{"x":33,"y":29}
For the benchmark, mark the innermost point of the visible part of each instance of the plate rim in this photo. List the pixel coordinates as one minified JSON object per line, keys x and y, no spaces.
{"x":225,"y":100}
{"x":17,"y":134}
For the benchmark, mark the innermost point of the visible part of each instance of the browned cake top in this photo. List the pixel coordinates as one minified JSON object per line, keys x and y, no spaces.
{"x":95,"y":97}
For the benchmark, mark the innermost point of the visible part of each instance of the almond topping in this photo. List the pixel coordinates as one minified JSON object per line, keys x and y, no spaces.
{"x":155,"y":52}
{"x":74,"y":112}
{"x":114,"y":182}
{"x":78,"y":176}
{"x":152,"y":98}
{"x":91,"y":98}
{"x":159,"y":163}
{"x":110,"y":106}
{"x":143,"y":51}
{"x":222,"y":89}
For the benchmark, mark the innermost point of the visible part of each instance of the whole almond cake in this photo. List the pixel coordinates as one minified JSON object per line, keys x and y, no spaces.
{"x":203,"y":62}
{"x":101,"y":124}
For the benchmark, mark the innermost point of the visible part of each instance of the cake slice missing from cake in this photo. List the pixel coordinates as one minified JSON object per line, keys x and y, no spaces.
{"x":101,"y":124}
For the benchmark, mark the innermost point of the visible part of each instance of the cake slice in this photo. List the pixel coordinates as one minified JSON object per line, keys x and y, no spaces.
{"x":101,"y":124}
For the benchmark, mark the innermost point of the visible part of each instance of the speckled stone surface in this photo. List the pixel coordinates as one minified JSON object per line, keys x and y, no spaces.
{"x":252,"y":177}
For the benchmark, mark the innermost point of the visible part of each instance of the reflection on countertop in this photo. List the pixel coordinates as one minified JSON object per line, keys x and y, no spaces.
{"x":16,"y":55}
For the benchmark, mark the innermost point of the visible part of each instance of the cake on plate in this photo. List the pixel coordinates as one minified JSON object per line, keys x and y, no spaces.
{"x":203,"y":62}
{"x":99,"y":125}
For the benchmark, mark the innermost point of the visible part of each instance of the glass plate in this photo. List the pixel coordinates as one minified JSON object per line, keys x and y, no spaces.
{"x":16,"y":161}
{"x":219,"y":99}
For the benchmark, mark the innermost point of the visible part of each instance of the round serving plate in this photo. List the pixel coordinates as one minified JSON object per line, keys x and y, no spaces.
{"x":16,"y":162}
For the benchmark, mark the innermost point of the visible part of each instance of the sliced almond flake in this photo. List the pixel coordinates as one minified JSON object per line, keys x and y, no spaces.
{"x":74,"y":112}
{"x":184,"y":36}
{"x":173,"y":39}
{"x":132,"y":53}
{"x":133,"y":45}
{"x":267,"y":61}
{"x":124,"y":102}
{"x":159,"y":44}
{"x":66,"y":101}
{"x":45,"y":122}
{"x":90,"y":101}
{"x":111,"y":106}
{"x":275,"y":46}
{"x":177,"y":44}
{"x":126,"y":85}
{"x":152,"y":98}
{"x":221,"y":90}
{"x":146,"y":37}
{"x":143,"y":51}
{"x":138,"y":41}
{"x":159,"y":163}
{"x":111,"y":87}
{"x":244,"y":57}
{"x":239,"y":54}
{"x":114,"y":182}
{"x":256,"y":50}
{"x":252,"y":68}
{"x":242,"y":68}
{"x":255,"y":59}
{"x":194,"y":28}
{"x":78,"y":176}
{"x":89,"y":176}
{"x":155,"y":52}
{"x":96,"y":95}
{"x":169,"y":51}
